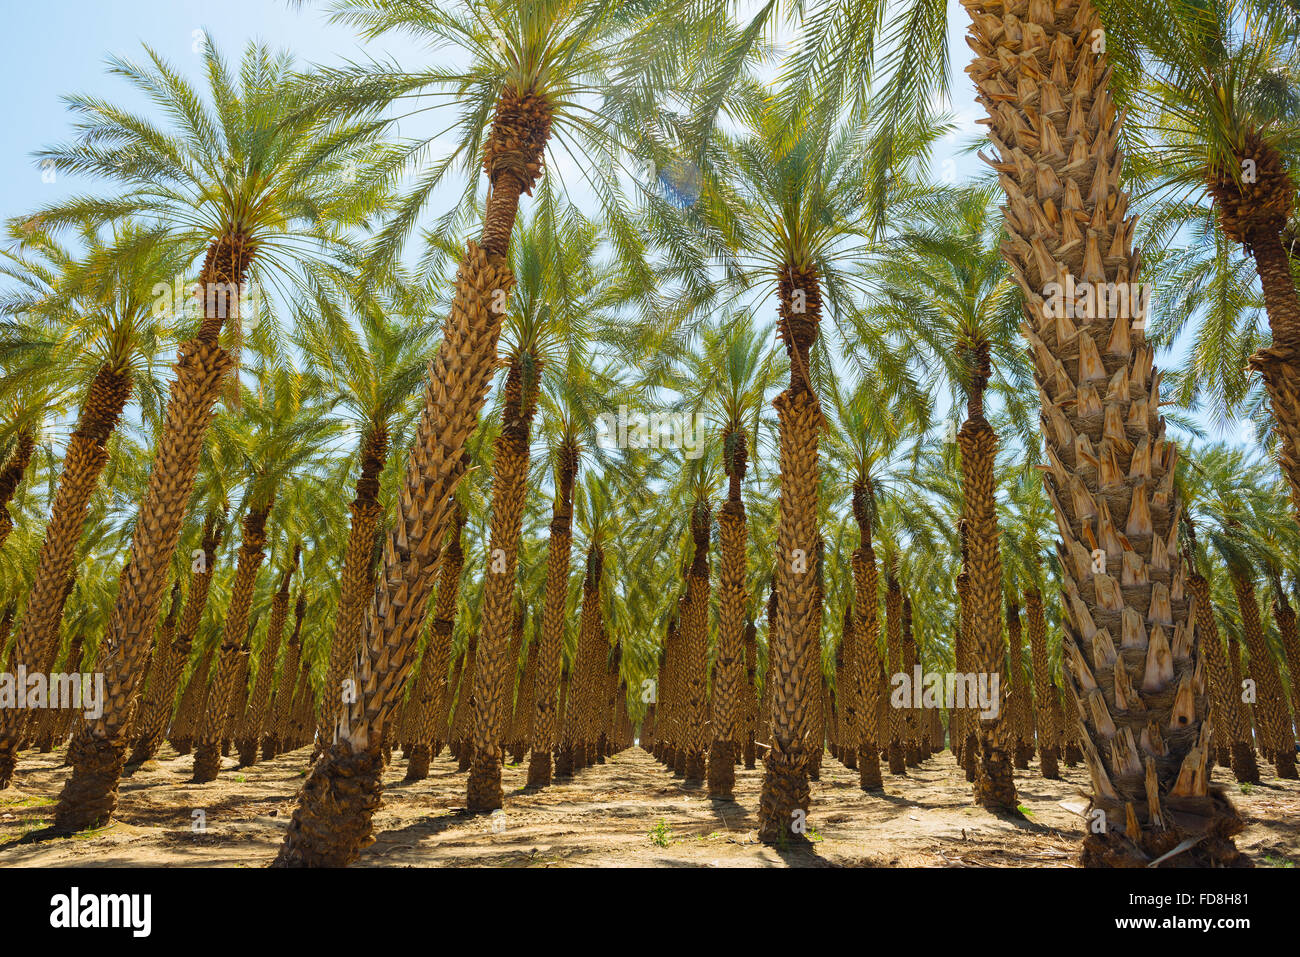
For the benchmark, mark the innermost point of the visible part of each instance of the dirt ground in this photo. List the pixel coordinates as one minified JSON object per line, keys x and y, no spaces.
{"x":627,"y":812}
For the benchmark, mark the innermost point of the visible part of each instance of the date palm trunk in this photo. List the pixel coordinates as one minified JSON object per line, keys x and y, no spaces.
{"x":192,"y":699}
{"x":695,"y":626}
{"x":729,"y":703}
{"x":83,"y":463}
{"x":550,"y":649}
{"x":159,"y":700}
{"x":1048,"y":730}
{"x":429,"y":724}
{"x":279,"y":724}
{"x":525,"y":702}
{"x":356,"y":584}
{"x":332,"y":820}
{"x":1042,"y":76}
{"x":98,"y":750}
{"x":1226,"y":696}
{"x":866,"y":640}
{"x":1277,"y":735}
{"x":234,"y":646}
{"x":248,"y":736}
{"x":785,"y":796}
{"x":494,"y":674}
{"x":11,"y":474}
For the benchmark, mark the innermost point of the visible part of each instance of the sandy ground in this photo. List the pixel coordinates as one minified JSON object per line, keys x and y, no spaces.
{"x":627,"y":812}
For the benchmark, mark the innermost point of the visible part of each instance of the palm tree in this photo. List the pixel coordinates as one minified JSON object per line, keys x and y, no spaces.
{"x":1113,"y":494}
{"x":530,"y":65}
{"x":366,"y":363}
{"x":1222,"y":108}
{"x":251,"y":185}
{"x":276,"y":438}
{"x":249,"y":733}
{"x":103,"y":303}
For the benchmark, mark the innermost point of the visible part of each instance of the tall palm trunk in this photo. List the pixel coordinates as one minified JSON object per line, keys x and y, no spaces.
{"x":1275,"y":723}
{"x":1048,"y":732}
{"x":728,"y":668}
{"x":866,"y":638}
{"x":494,"y":674}
{"x":98,"y":751}
{"x":357,"y":582}
{"x":192,"y":700}
{"x":11,"y":474}
{"x":982,"y":625}
{"x":525,"y":705}
{"x":1284,"y":616}
{"x":911,"y":715}
{"x":277,"y":737}
{"x":784,"y":800}
{"x":1254,"y":214}
{"x":695,"y":638}
{"x":234,"y":645}
{"x":1226,"y":696}
{"x":461,"y":725}
{"x":894,"y":666}
{"x":551,"y":648}
{"x":1024,"y":716}
{"x":431,"y":690}
{"x":749,"y":695}
{"x":1043,"y":77}
{"x":332,"y":821}
{"x":84,"y":461}
{"x":161,"y":697}
{"x":156,"y":702}
{"x":248,"y":737}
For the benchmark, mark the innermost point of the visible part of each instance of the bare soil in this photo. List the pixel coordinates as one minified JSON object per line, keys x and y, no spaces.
{"x":626,"y":812}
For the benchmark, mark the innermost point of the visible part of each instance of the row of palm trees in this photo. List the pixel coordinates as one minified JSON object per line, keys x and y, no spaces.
{"x":802,"y":188}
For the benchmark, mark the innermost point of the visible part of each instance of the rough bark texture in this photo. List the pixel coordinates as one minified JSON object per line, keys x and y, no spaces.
{"x":83,"y":463}
{"x":458,"y":382}
{"x":1043,"y":80}
{"x":1278,"y":737}
{"x":11,"y":474}
{"x":785,"y":796}
{"x":248,"y":736}
{"x":729,"y":709}
{"x":1226,"y":696}
{"x":356,"y":584}
{"x":494,"y":674}
{"x":866,"y":639}
{"x":91,"y":792}
{"x":551,"y":648}
{"x":1048,"y":730}
{"x":695,"y":627}
{"x":234,"y":645}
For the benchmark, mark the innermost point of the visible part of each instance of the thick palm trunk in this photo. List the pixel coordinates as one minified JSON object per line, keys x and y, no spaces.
{"x":234,"y":646}
{"x":1278,"y":738}
{"x":1226,"y":696}
{"x":461,"y":724}
{"x":550,"y":650}
{"x":83,"y":463}
{"x":248,"y":736}
{"x":156,"y":709}
{"x":331,"y":823}
{"x":729,"y":705}
{"x":911,"y":715}
{"x":11,"y":474}
{"x":1043,"y":79}
{"x":429,"y":723}
{"x":894,"y":651}
{"x":494,"y":675}
{"x":356,"y":584}
{"x":98,"y":751}
{"x":1048,"y":731}
{"x":785,"y":797}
